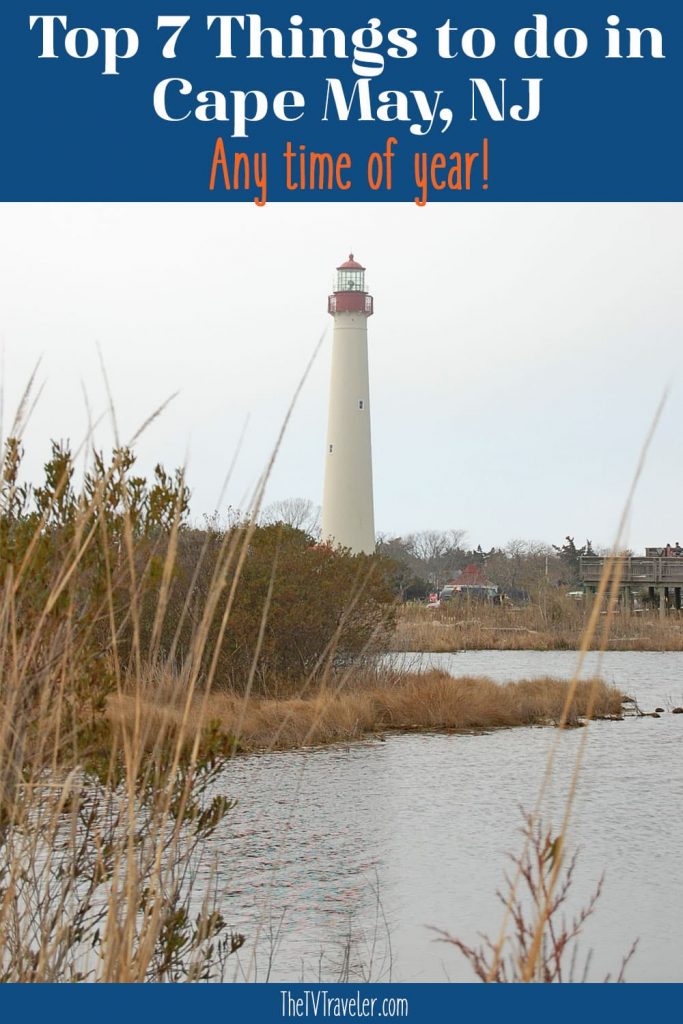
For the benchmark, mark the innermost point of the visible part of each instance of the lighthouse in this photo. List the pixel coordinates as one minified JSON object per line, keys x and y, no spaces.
{"x":348,"y":516}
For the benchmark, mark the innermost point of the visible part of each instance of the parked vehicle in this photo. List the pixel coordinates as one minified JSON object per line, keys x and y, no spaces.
{"x":468,"y":592}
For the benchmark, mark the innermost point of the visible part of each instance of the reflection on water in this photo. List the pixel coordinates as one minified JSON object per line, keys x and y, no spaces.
{"x":337,"y":861}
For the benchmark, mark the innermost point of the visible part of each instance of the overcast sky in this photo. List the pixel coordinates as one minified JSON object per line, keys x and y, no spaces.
{"x":517,"y":352}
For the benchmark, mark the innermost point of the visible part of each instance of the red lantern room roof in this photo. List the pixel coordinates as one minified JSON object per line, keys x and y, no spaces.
{"x":351,"y":264}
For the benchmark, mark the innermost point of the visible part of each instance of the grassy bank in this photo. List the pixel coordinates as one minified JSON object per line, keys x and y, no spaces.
{"x":557,"y":625}
{"x":411,"y":702}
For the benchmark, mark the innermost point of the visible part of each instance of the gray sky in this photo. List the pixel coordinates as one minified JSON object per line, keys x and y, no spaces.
{"x":517,"y":353}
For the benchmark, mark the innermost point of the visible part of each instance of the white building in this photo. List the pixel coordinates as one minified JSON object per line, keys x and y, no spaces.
{"x":348,"y":514}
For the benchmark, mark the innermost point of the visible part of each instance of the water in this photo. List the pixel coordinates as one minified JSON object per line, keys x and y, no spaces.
{"x":339,"y":862}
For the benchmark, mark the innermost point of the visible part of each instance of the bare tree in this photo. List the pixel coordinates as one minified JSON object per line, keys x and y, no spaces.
{"x":431,"y":545}
{"x":300,"y":513}
{"x":408,"y":579}
{"x":438,"y":552}
{"x":524,"y":565}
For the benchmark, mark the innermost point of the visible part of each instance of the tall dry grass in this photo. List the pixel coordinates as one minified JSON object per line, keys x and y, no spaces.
{"x":103,"y":830}
{"x":534,"y":940}
{"x":104,"y":822}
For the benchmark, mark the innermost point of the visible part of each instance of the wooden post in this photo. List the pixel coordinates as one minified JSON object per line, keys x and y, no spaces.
{"x":662,"y":602}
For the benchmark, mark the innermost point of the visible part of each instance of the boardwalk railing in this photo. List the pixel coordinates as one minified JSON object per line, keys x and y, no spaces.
{"x":637,"y":571}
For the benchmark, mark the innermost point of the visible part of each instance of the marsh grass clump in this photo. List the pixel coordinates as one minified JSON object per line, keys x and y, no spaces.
{"x":371,"y":703}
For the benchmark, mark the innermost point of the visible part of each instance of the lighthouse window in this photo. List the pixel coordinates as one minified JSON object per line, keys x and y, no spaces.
{"x":361,"y":404}
{"x":351,"y":281}
{"x":331,"y":447}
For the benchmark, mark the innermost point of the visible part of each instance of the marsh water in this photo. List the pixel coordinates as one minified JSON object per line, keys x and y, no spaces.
{"x":338,"y":863}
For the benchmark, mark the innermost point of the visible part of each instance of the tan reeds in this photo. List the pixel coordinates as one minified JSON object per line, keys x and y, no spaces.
{"x":530,"y":967}
{"x":96,"y":880}
{"x":365,"y":707}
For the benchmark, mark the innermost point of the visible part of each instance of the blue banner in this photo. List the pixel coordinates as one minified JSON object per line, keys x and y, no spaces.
{"x":362,"y":101}
{"x":419,"y":1004}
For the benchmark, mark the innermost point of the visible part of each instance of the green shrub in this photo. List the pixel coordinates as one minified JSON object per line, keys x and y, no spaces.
{"x":145,"y":588}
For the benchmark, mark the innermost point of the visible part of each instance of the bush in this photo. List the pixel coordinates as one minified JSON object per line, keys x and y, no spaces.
{"x":290,"y":608}
{"x":261,"y":603}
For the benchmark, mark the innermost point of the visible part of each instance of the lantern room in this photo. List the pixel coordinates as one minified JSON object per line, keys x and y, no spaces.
{"x":350,"y":295}
{"x":350,"y":276}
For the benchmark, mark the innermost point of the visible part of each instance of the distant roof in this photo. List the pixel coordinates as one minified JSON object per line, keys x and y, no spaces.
{"x":470,"y":576}
{"x":351,"y":264}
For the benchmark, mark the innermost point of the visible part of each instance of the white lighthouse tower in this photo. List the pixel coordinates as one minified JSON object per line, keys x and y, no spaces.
{"x":348,"y":514}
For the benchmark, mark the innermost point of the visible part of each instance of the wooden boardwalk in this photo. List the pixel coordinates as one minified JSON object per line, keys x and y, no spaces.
{"x":637,"y":571}
{"x":661,"y":576}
